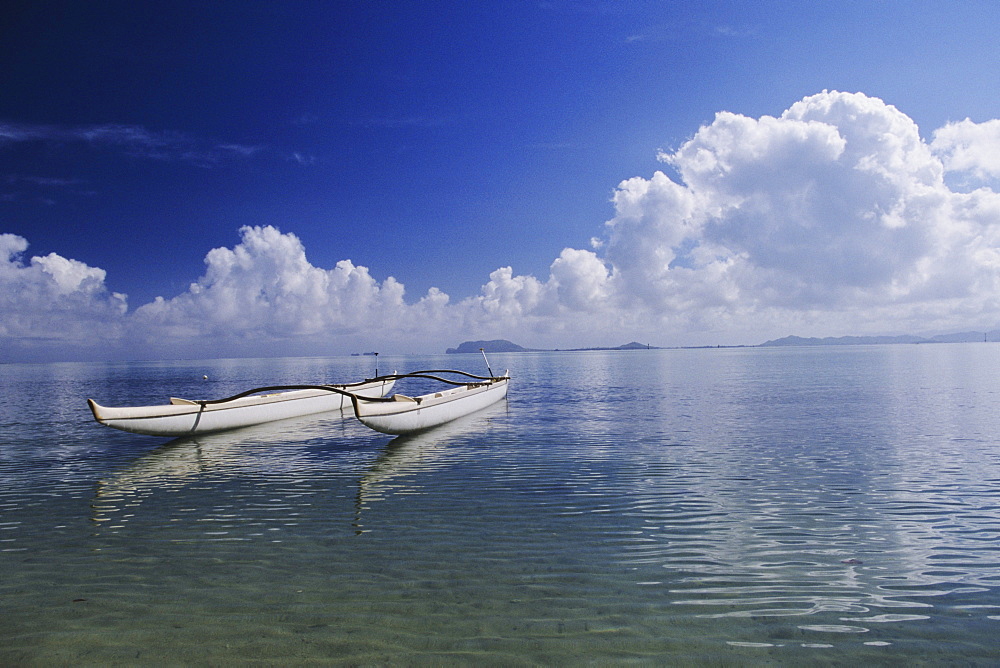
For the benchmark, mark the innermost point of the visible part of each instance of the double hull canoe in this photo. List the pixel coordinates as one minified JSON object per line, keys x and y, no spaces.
{"x":400,"y":414}
{"x":183,"y":417}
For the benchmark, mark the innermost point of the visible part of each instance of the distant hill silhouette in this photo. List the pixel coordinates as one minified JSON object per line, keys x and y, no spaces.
{"x":961,"y":337}
{"x":504,"y":346}
{"x":494,"y":346}
{"x":635,"y":345}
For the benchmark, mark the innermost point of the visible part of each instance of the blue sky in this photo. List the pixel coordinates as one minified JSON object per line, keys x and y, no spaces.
{"x":440,"y":143}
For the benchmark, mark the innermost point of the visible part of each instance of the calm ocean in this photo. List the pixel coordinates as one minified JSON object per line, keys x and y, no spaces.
{"x":831,"y":505}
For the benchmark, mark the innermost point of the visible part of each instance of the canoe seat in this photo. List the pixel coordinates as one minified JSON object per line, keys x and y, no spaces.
{"x":402,"y":397}
{"x":182,"y":402}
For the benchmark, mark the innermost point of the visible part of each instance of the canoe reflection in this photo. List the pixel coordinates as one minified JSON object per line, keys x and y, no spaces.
{"x":399,"y":467}
{"x":264,"y":451}
{"x":292,"y":465}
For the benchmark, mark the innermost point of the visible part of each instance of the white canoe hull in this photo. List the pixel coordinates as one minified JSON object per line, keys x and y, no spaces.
{"x":184,"y":418}
{"x":406,"y":415}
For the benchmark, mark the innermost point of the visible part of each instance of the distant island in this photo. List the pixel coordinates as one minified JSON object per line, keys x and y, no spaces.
{"x":961,"y":337}
{"x":504,"y":346}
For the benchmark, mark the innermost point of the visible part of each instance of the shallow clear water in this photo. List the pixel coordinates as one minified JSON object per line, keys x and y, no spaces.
{"x":721,"y":506}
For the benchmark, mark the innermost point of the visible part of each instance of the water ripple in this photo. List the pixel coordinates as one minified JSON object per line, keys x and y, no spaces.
{"x":718,"y":507}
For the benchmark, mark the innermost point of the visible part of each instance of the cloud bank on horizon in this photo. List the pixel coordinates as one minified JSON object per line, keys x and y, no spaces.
{"x":834,"y":218}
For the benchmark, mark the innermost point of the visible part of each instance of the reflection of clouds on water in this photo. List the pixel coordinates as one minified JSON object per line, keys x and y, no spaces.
{"x":769,"y":514}
{"x":808,"y":485}
{"x":803,"y":490}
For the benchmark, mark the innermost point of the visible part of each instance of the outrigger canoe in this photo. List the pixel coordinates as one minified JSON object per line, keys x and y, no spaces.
{"x":401,"y":414}
{"x":184,"y":417}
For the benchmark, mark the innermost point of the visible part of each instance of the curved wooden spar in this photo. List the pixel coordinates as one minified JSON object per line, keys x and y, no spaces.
{"x":183,"y":417}
{"x":400,"y":414}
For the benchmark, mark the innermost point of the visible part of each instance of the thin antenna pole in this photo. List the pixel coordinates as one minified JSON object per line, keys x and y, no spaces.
{"x":487,"y":362}
{"x":376,"y":365}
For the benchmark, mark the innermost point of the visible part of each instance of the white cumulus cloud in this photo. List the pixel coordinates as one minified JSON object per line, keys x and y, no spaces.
{"x":835,"y":217}
{"x":265,"y":289}
{"x":970,"y":147}
{"x":53,"y":302}
{"x":836,"y":213}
